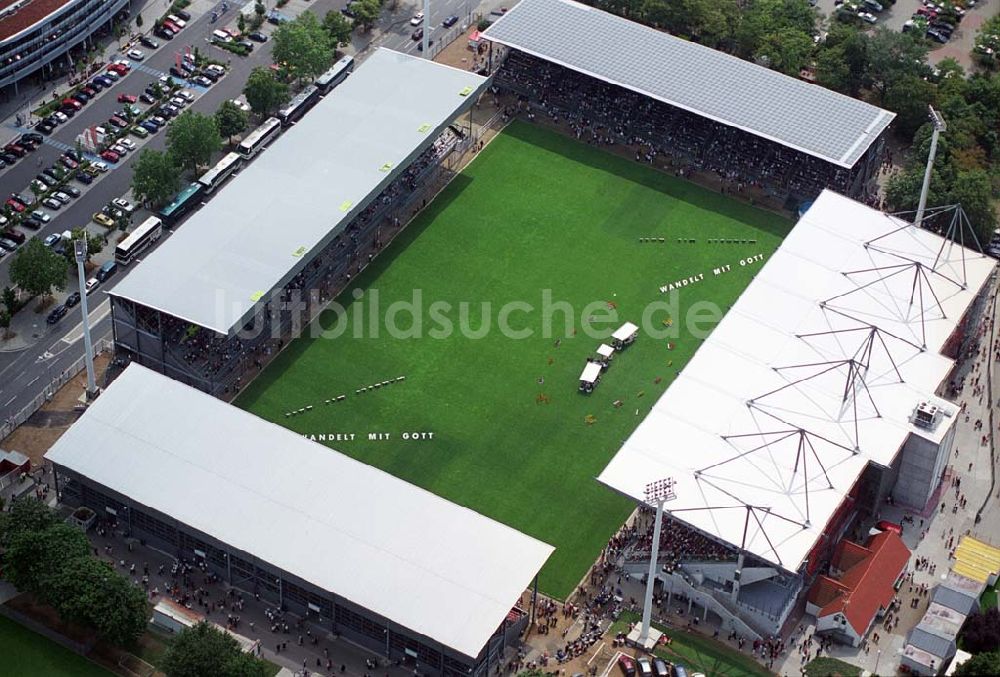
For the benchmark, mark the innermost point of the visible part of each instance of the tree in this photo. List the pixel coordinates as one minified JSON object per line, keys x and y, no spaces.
{"x":980,"y":665}
{"x":9,"y":299}
{"x":32,"y":557}
{"x":204,"y":650}
{"x":231,"y":120}
{"x":37,"y":269}
{"x":95,"y":243}
{"x":138,"y":21}
{"x":5,"y":322}
{"x":765,"y":21}
{"x":338,"y":27}
{"x":241,"y":23}
{"x":366,"y":13}
{"x":259,"y":9}
{"x":193,"y":138}
{"x":974,"y":191}
{"x":155,"y":177}
{"x":303,"y":45}
{"x":25,"y":515}
{"x":892,"y":55}
{"x":786,"y":50}
{"x":263,"y":91}
{"x":909,"y":97}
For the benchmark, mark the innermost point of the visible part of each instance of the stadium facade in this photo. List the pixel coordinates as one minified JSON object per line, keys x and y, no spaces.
{"x":390,"y":566}
{"x":811,"y":137}
{"x":34,"y":34}
{"x":818,"y":397}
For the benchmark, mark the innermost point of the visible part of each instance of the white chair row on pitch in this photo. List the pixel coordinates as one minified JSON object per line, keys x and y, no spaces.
{"x":380,"y":384}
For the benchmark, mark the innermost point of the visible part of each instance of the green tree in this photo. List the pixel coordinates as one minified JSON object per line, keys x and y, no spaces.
{"x":9,"y":299}
{"x":303,"y":45}
{"x":88,"y":591}
{"x":259,"y":9}
{"x":366,"y":13}
{"x":891,"y":55}
{"x":766,"y":21}
{"x":231,"y":120}
{"x":241,"y":23}
{"x":32,"y":557}
{"x":5,"y":323}
{"x":138,"y":21}
{"x":842,"y":59}
{"x":205,"y":650}
{"x":709,"y":22}
{"x":25,"y":515}
{"x":263,"y":91}
{"x":338,"y":27}
{"x":95,"y":243}
{"x":786,"y":50}
{"x":980,"y":665}
{"x":37,"y":269}
{"x":975,"y":192}
{"x":909,"y":97}
{"x":155,"y":177}
{"x":193,"y":138}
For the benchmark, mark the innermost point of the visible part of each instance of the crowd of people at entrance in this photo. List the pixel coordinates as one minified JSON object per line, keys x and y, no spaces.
{"x":670,"y":137}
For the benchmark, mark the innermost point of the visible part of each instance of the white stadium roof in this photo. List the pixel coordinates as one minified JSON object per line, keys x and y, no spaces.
{"x":814,"y":372}
{"x":256,"y":233}
{"x":710,"y":83}
{"x":430,"y":565}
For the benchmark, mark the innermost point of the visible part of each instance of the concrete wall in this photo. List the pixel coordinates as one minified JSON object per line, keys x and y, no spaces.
{"x":922,"y":463}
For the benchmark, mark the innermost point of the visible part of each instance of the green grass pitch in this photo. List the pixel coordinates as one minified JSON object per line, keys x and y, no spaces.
{"x":27,"y":653}
{"x":513,"y":438}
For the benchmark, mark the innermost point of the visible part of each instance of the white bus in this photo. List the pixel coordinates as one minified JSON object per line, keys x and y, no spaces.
{"x":145,"y":234}
{"x":335,"y":75}
{"x":217,"y":175}
{"x":299,"y":106}
{"x":259,"y":138}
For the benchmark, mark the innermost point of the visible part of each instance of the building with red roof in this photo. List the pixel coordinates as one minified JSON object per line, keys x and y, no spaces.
{"x":860,"y":587}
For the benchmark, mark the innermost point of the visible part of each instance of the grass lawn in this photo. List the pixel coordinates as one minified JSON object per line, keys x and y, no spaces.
{"x":989,"y":599}
{"x":824,"y":666}
{"x":512,"y":439}
{"x":27,"y":653}
{"x":697,"y":652}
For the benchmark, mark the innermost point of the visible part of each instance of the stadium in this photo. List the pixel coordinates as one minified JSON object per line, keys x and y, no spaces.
{"x":559,"y":189}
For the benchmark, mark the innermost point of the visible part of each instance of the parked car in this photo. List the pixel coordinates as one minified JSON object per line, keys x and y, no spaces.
{"x":52,"y":203}
{"x":202,"y":81}
{"x":627,"y":664}
{"x":127,"y":98}
{"x":103,"y":220}
{"x":417,"y":34}
{"x":148,"y":42}
{"x":417,"y":19}
{"x":110,"y":156}
{"x":33,"y":137}
{"x":139,"y":132}
{"x":123,"y":204}
{"x":69,"y":163}
{"x":660,"y":668}
{"x":72,"y":300}
{"x":164,"y":32}
{"x":450,"y":21}
{"x":257,"y":36}
{"x":41,"y":216}
{"x":45,"y":126}
{"x":58,"y":313}
{"x":82,"y":96}
{"x":8,"y":244}
{"x":120,"y":149}
{"x":135,"y":54}
{"x":644,"y":666}
{"x":84,"y":178}
{"x":150,"y":126}
{"x":116,"y":121}
{"x":182,"y":73}
{"x":91,"y":285}
{"x":15,"y":235}
{"x":112,"y":75}
{"x":89,"y":91}
{"x":52,"y":240}
{"x":97,"y":85}
{"x":72,"y":190}
{"x":182,"y":14}
{"x":936,"y":35}
{"x":62,"y":196}
{"x":15,"y":205}
{"x":186,"y":95}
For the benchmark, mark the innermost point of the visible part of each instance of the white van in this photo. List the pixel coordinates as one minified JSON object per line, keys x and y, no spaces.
{"x":222,"y":36}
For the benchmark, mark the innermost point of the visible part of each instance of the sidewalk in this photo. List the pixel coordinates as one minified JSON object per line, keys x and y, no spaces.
{"x":930,"y":536}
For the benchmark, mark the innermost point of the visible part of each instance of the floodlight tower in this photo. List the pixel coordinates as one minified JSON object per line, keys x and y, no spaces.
{"x":939,"y":126}
{"x":657,"y":493}
{"x":427,"y":29}
{"x":80,"y":252}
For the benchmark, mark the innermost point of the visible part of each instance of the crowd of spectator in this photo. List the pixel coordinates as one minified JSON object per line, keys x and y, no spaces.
{"x":224,"y":360}
{"x":666,"y":136}
{"x":678,"y":543}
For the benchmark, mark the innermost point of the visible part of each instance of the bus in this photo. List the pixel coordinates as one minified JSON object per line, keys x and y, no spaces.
{"x":298,"y":106}
{"x":335,"y":75}
{"x":259,"y":138}
{"x":217,"y":175}
{"x":183,"y":202}
{"x":145,"y":234}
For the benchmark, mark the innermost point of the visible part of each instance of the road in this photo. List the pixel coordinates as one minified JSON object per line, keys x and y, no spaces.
{"x":24,"y":374}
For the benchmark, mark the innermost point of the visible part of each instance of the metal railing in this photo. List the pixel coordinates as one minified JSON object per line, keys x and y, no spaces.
{"x":61,"y":379}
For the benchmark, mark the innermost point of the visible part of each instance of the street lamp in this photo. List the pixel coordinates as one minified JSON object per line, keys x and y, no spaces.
{"x":939,"y":126}
{"x":80,"y":251}
{"x":658,"y":493}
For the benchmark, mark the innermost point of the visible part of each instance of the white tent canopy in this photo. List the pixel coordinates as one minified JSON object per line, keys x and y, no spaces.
{"x":813,"y":373}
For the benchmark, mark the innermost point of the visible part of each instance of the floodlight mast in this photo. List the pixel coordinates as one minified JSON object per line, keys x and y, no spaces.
{"x":427,"y":30}
{"x":939,"y":126}
{"x":80,"y":253}
{"x":658,"y":493}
